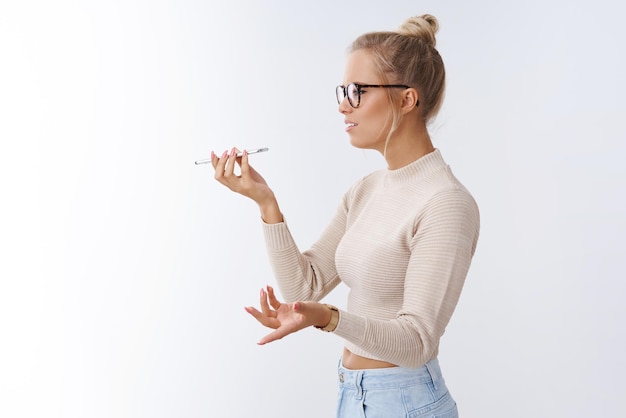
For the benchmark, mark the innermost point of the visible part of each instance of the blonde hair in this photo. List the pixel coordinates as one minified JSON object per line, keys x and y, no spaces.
{"x":408,"y":56}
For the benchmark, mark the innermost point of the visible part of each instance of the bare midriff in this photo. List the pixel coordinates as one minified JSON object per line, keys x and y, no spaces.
{"x":355,"y":362}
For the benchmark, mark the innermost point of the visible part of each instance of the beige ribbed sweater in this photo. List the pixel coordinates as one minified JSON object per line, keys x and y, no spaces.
{"x":402,"y":241}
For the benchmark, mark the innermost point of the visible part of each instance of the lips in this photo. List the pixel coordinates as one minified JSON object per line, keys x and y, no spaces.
{"x":350,"y":124}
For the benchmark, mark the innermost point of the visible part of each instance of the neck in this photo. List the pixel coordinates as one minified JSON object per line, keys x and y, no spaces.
{"x":406,"y":146}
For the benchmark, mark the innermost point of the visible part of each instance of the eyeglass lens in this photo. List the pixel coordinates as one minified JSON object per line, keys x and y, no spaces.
{"x":353,"y":93}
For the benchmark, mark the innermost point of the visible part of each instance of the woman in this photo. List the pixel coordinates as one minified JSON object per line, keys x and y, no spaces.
{"x":402,"y":238}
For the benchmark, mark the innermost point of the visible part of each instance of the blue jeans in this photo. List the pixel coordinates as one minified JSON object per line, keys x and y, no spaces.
{"x":395,"y":392}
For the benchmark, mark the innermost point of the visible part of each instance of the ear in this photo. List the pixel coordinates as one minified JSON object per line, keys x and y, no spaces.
{"x":410,"y":100}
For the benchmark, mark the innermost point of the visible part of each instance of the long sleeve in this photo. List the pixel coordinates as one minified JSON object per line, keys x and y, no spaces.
{"x":308,"y":275}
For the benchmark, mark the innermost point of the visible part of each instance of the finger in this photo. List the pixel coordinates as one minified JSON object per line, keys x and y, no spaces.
{"x":272,"y":298}
{"x":245,"y":167}
{"x":268,"y":322}
{"x":230,"y":164}
{"x":219,"y":166}
{"x":214,"y":159}
{"x":264,"y":305}
{"x":273,"y":336}
{"x":255,"y":313}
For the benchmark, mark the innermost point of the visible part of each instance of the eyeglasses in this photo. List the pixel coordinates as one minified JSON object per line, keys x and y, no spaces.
{"x":353,"y":91}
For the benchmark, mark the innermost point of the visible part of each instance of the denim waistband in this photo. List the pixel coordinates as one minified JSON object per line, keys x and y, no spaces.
{"x":389,"y":377}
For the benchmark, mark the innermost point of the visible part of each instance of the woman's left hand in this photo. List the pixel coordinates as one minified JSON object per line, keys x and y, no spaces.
{"x":286,"y":318}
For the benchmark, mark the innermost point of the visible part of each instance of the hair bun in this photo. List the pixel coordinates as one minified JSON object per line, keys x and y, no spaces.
{"x":423,"y":27}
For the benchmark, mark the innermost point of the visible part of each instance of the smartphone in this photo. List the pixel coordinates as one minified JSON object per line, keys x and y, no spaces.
{"x":249,"y":151}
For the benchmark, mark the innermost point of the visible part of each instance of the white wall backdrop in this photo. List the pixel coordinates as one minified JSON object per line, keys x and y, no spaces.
{"x":124,"y":268}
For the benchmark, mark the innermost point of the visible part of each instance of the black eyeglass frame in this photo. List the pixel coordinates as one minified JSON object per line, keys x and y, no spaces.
{"x":344,"y":91}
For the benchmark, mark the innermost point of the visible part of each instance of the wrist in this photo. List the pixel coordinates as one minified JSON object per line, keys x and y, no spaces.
{"x":270,"y":212}
{"x":331,"y":319}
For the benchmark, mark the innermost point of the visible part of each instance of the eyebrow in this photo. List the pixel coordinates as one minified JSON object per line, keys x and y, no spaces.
{"x":359,"y":82}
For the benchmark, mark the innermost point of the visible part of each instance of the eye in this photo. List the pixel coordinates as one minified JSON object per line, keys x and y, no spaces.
{"x":361,"y":89}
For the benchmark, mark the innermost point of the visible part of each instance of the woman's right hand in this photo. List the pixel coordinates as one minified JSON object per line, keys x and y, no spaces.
{"x":249,"y":183}
{"x":287,"y":318}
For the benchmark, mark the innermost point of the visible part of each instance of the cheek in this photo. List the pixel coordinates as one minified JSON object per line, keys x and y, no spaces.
{"x":381,"y":121}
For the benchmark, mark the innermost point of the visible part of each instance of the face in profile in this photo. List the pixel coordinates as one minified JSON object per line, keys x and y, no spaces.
{"x":369,"y":123}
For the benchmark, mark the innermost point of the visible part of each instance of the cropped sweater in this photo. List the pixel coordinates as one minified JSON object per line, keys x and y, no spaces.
{"x":402,"y":241}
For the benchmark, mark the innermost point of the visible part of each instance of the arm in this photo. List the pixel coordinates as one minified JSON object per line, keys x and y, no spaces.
{"x":308,"y":275}
{"x":441,"y":251}
{"x":285,"y":318}
{"x":301,"y":276}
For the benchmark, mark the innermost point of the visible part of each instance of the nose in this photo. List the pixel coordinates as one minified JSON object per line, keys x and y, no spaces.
{"x":344,"y":106}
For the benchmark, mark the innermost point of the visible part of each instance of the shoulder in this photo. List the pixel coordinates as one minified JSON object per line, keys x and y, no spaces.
{"x":444,"y":201}
{"x":450,"y":211}
{"x":454,"y":198}
{"x":363,"y":187}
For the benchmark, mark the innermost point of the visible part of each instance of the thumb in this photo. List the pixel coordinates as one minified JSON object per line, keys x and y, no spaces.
{"x":306,"y":312}
{"x":299,"y":307}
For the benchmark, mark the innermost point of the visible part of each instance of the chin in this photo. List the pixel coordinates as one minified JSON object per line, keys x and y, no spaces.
{"x":355,"y":142}
{"x":362,"y":144}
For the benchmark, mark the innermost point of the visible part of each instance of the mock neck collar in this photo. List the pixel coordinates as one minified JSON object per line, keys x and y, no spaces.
{"x":418,"y":169}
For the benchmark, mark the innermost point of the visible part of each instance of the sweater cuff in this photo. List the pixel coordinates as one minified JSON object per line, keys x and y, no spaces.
{"x":351,"y":327}
{"x":277,"y":236}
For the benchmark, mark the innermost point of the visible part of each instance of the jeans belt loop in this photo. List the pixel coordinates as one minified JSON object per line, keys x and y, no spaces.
{"x":433,"y":376}
{"x":358,"y":380}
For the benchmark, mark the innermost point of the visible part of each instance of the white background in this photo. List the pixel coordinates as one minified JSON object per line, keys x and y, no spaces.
{"x":124,"y":268}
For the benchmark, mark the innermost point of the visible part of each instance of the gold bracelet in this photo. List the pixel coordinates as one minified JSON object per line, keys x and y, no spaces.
{"x":334,"y":319}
